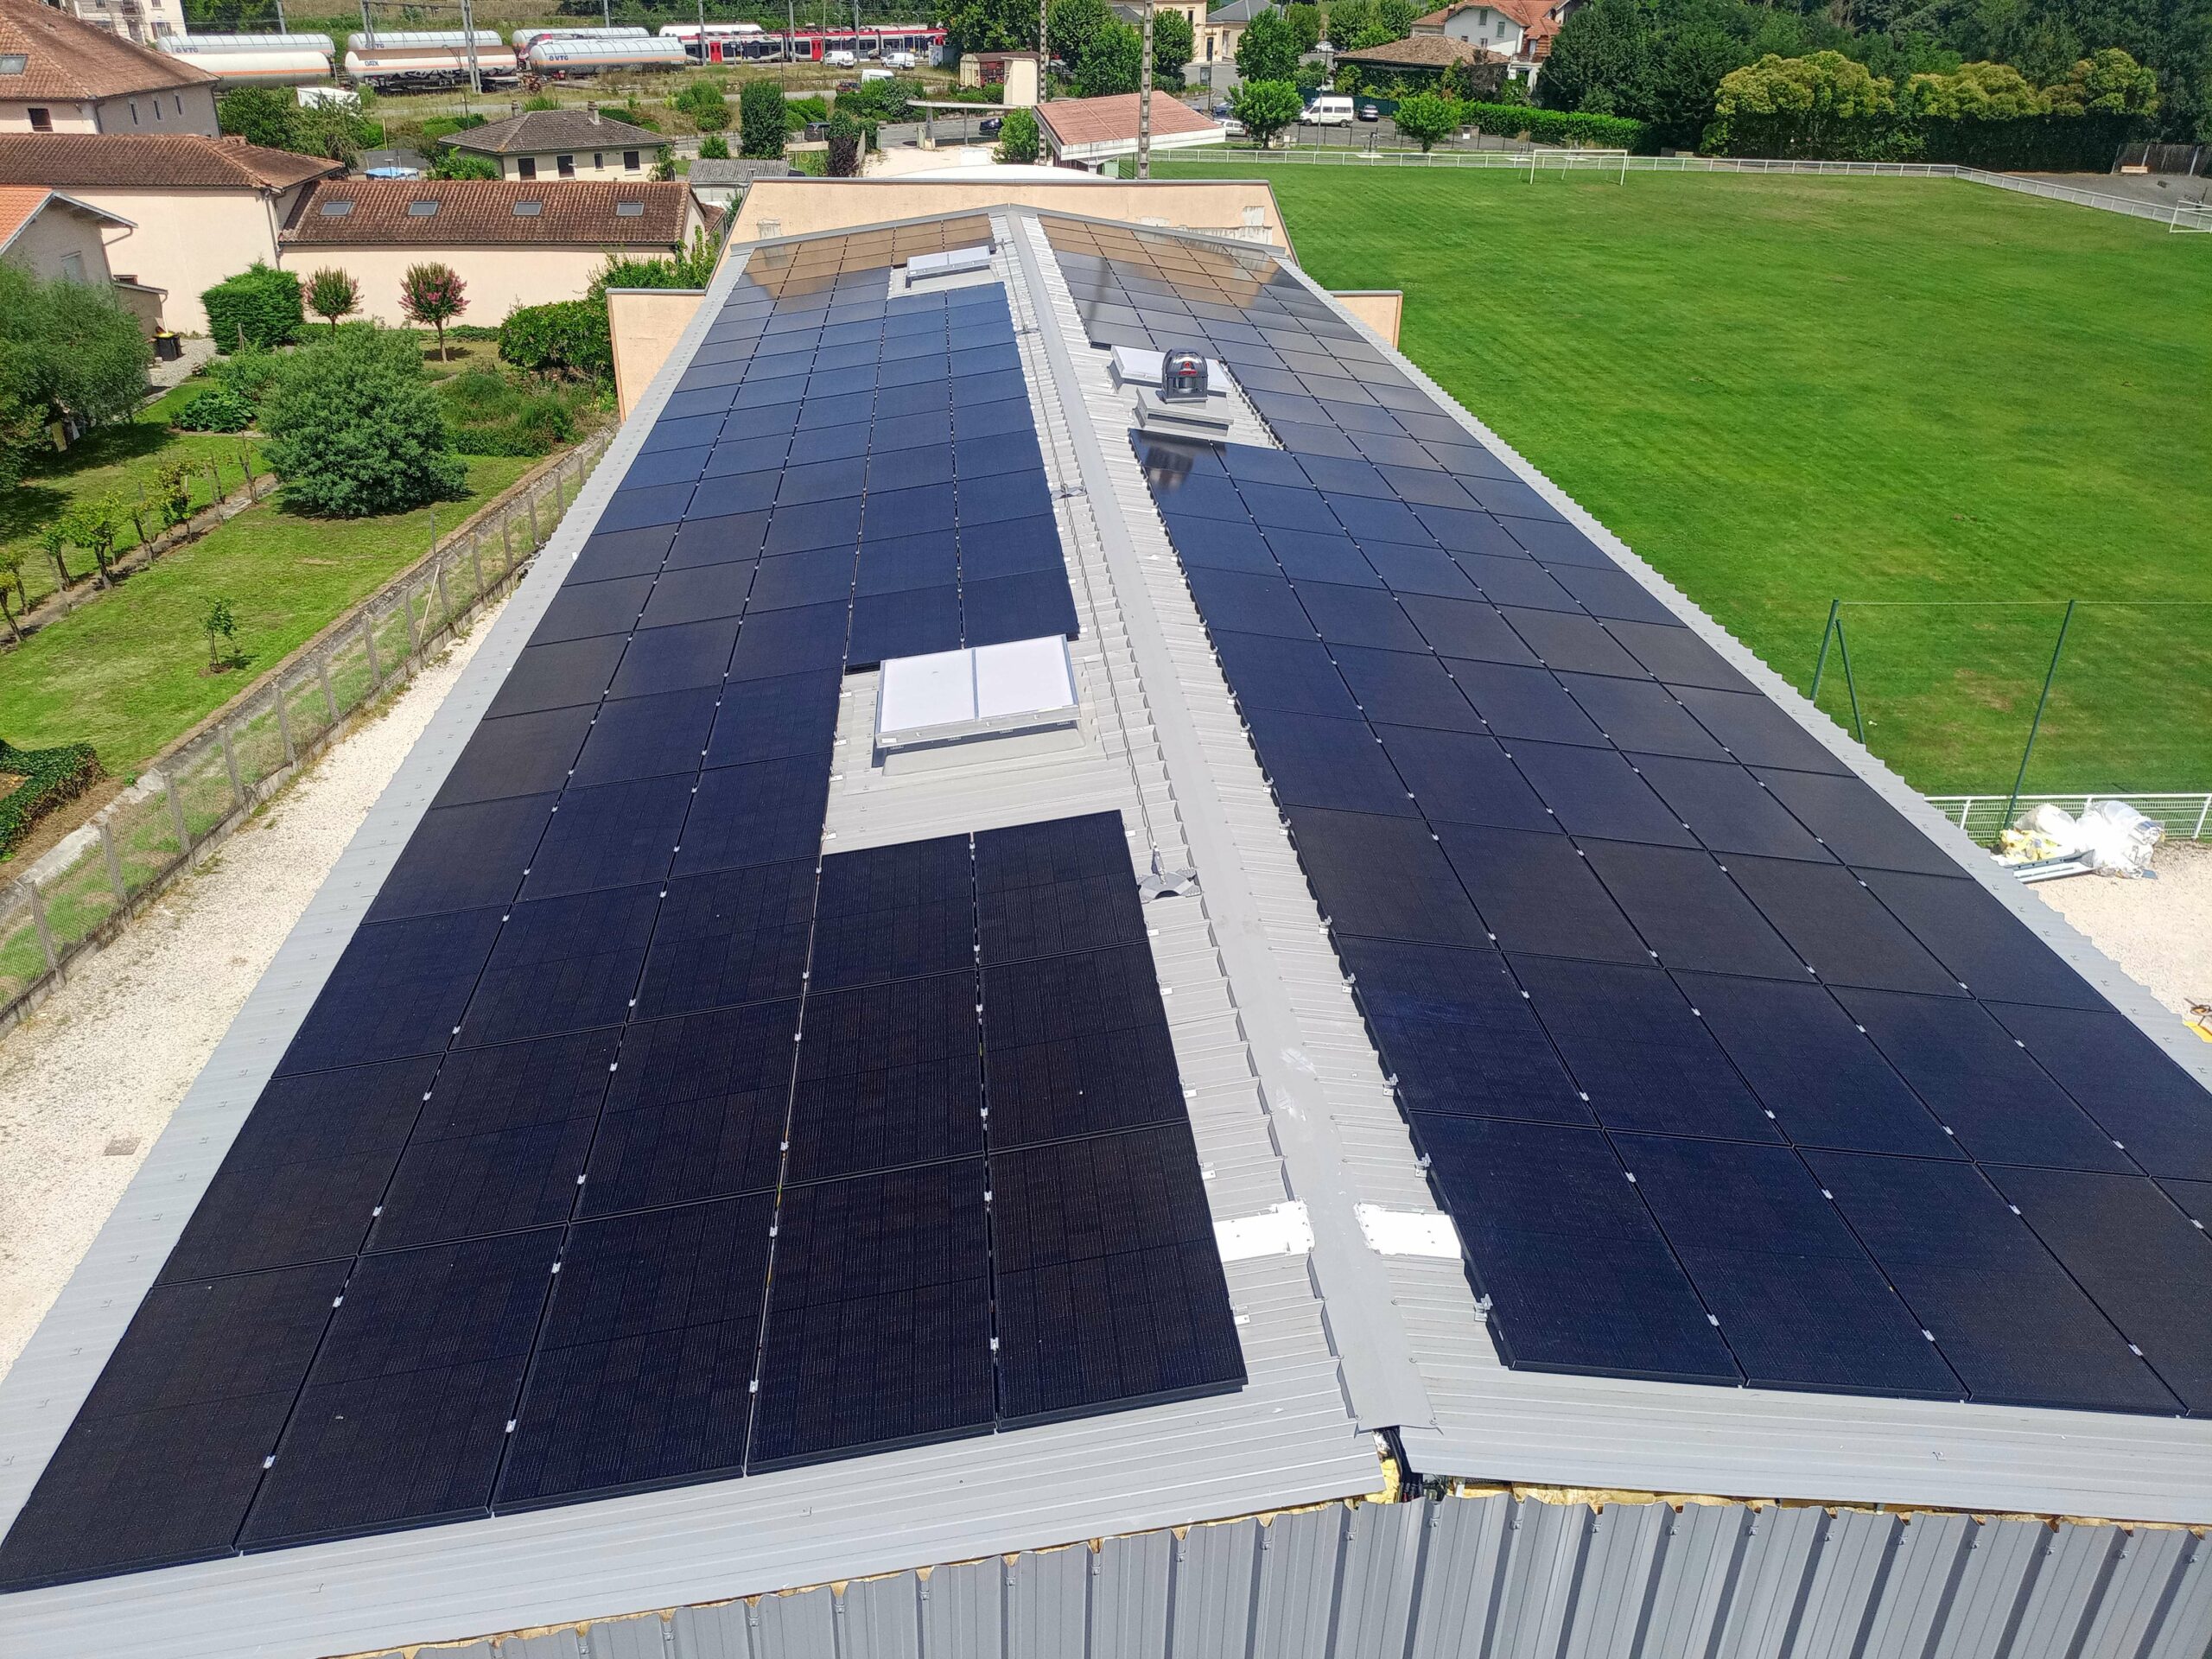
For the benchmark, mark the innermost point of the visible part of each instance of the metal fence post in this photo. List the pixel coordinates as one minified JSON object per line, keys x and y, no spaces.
{"x":445,"y":603}
{"x":369,"y":638}
{"x":530,"y":499}
{"x":508,"y":541}
{"x":1821,"y":663}
{"x":329,"y":697}
{"x":476,"y":557}
{"x":114,"y":863}
{"x":407,"y":607}
{"x":231,"y":765}
{"x":44,"y":933}
{"x":284,"y":726}
{"x":1850,"y":683}
{"x":2036,"y":725}
{"x":2202,"y":813}
{"x":176,"y":814}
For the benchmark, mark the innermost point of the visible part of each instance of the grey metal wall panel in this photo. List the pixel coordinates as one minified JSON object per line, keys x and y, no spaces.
{"x":1048,"y":1603}
{"x":1537,"y":1580}
{"x":1850,"y":1571}
{"x":963,"y":1610}
{"x":1214,"y":1572}
{"x":879,"y":1619}
{"x":1619,"y":1562}
{"x":1383,"y":1543}
{"x":2077,"y":1561}
{"x":1129,"y":1597}
{"x":1300,"y":1557}
{"x":632,"y":1638}
{"x":1779,"y":1549}
{"x":1469,"y":1543}
{"x":2000,"y":1569}
{"x":716,"y":1632}
{"x":2135,"y":1593}
{"x":551,"y":1645}
{"x":1697,"y":1573}
{"x":1930,"y":1553}
{"x":2184,"y":1631}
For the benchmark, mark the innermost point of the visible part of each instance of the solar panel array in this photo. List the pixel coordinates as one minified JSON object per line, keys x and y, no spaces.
{"x":632,"y":1142}
{"x":1726,"y":1072}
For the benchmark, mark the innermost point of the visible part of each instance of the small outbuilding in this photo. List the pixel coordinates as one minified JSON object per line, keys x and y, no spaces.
{"x":562,"y":144}
{"x":1090,"y":132}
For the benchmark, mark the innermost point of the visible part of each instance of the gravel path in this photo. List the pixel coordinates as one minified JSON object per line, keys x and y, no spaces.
{"x":2160,"y":932}
{"x":89,"y":1081}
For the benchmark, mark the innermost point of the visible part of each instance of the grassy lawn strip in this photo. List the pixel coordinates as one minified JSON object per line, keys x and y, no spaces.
{"x":118,"y":460}
{"x":1782,"y":390}
{"x":128,"y":674}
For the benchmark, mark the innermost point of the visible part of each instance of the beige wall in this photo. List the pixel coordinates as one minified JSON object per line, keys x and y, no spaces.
{"x":1245,"y":208}
{"x":645,"y":323}
{"x":1380,"y":309}
{"x":589,"y":164}
{"x":497,"y":278}
{"x":188,"y":240}
{"x":136,"y":19}
{"x":182,"y":109}
{"x":44,"y":245}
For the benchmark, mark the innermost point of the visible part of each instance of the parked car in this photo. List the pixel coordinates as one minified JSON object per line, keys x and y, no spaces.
{"x":990,"y":124}
{"x":899,"y":59}
{"x":848,"y":85}
{"x":1230,"y":124}
{"x":1368,"y":112}
{"x":839,"y":59}
{"x":1330,"y":110}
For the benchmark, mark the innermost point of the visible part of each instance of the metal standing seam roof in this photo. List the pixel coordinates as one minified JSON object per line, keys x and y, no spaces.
{"x":1288,"y":1105}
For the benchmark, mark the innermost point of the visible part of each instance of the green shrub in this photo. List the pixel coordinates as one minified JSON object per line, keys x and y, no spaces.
{"x":847,"y":138}
{"x":354,"y":428}
{"x":246,"y":374}
{"x":217,"y":409}
{"x":1018,"y":139}
{"x":1578,"y":129}
{"x":490,"y":414}
{"x":800,"y":113}
{"x":713,"y":147}
{"x":260,"y":306}
{"x":50,"y":777}
{"x":568,"y":337}
{"x":703,"y":102}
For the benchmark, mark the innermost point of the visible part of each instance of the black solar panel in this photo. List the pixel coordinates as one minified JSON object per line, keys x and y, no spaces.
{"x":1723,"y":936}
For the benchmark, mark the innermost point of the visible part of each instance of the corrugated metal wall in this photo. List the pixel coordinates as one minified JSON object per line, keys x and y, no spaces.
{"x":1492,"y":1575}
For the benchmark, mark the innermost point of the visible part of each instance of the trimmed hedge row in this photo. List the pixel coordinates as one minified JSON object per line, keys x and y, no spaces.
{"x":2029,"y":144}
{"x":260,"y":306}
{"x":1560,"y":127}
{"x":50,"y":777}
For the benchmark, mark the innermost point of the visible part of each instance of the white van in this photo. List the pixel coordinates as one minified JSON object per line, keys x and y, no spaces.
{"x":873,"y":73}
{"x":839,"y":59}
{"x":1328,"y":110}
{"x":900,"y":59}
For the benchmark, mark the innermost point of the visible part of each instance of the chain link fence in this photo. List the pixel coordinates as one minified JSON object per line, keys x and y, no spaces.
{"x":75,"y":896}
{"x":2184,"y":817}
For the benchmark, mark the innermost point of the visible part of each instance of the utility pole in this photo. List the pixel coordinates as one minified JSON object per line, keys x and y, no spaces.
{"x":368,"y":28}
{"x":468,"y":33}
{"x":1144,"y":97}
{"x":281,"y":28}
{"x":1044,"y":55}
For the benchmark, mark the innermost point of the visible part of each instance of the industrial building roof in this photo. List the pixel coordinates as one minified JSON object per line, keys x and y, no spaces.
{"x":1361,"y":1331}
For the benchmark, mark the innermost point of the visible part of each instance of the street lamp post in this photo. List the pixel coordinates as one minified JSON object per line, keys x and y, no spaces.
{"x":1144,"y":98}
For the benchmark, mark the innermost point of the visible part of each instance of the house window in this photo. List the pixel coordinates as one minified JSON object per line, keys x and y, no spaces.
{"x":179,"y":102}
{"x":422,"y":210}
{"x":630,"y":161}
{"x":598,"y":162}
{"x":134,"y":111}
{"x":72,"y":266}
{"x":567,"y":164}
{"x":14,"y":63}
{"x":41,"y":120}
{"x":629,"y":210}
{"x":526,"y":167}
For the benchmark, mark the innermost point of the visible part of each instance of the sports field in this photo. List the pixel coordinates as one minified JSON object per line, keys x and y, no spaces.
{"x":1785,"y":390}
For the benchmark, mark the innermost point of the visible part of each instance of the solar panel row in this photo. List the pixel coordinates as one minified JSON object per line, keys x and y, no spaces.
{"x":500,"y":1232}
{"x":1726,"y":1073}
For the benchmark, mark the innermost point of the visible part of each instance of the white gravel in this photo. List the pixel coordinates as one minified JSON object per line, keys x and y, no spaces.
{"x":2160,"y":932}
{"x":87,"y":1083}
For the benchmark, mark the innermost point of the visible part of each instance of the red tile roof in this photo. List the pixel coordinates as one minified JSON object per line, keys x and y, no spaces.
{"x":1077,"y":121}
{"x":71,"y":61}
{"x":185,"y":159}
{"x":535,"y":131}
{"x":482,"y":212}
{"x":19,"y":205}
{"x":1537,"y":19}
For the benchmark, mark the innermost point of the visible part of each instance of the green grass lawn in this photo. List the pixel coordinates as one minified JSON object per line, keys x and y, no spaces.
{"x":118,"y":460}
{"x":128,"y":672}
{"x":1785,"y":390}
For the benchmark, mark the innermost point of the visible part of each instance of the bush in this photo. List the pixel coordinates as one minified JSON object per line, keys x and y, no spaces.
{"x":1266,"y":107}
{"x":245,"y":374}
{"x":1579,"y":129}
{"x":490,"y":414}
{"x":847,"y":138}
{"x":568,"y":337}
{"x":464,"y":164}
{"x":218,"y":409}
{"x":713,"y":147}
{"x":760,"y":120}
{"x":66,"y":349}
{"x":260,"y":306}
{"x":260,"y":115}
{"x":703,"y":102}
{"x":50,"y":777}
{"x":353,"y":427}
{"x":799,"y":112}
{"x":1017,"y":137}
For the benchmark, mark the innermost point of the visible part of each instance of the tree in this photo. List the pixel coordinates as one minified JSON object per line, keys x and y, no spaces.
{"x":13,"y":595}
{"x":173,"y":492}
{"x":220,"y":623}
{"x":2106,"y":83}
{"x":1305,"y":22}
{"x":331,"y":294}
{"x":260,"y":115}
{"x":1173,"y":41}
{"x":1269,"y":50}
{"x":1266,"y":107}
{"x":989,"y":26}
{"x":354,"y":428}
{"x":703,"y":102}
{"x":1112,"y":62}
{"x":335,"y":128}
{"x":434,"y":294}
{"x":1791,"y":107}
{"x":1426,"y":118}
{"x":1397,"y":17}
{"x":452,"y":164}
{"x":847,"y":137}
{"x":1017,"y":138}
{"x":1982,"y":92}
{"x":760,"y":121}
{"x":68,"y":350}
{"x":1600,"y":61}
{"x":713,"y":147}
{"x":94,"y":523}
{"x":664,"y":164}
{"x":568,"y":338}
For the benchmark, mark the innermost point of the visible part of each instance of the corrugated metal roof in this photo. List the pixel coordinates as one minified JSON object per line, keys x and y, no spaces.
{"x":1287,"y":1101}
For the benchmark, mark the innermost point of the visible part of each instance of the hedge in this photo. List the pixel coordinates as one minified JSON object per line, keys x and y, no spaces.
{"x":567,"y":337}
{"x":2028,"y":143}
{"x":50,"y":777}
{"x":1560,"y":127}
{"x":217,"y":409}
{"x":261,"y":305}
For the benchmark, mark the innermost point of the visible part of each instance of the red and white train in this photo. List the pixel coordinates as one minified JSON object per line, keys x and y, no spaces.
{"x":901,"y":44}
